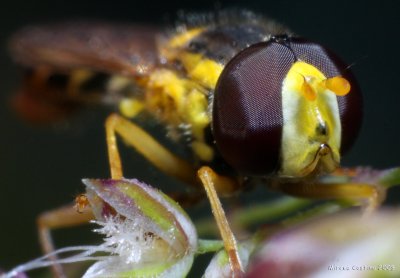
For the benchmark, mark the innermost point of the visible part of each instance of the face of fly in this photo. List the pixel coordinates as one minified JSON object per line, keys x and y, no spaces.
{"x":287,"y":107}
{"x":311,"y":132}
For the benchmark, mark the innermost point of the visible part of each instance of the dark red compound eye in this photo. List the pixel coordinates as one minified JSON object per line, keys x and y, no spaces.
{"x":247,"y":106}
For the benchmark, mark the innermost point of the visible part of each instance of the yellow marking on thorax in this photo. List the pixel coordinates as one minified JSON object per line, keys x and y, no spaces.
{"x":203,"y":70}
{"x":175,"y":45}
{"x":177,"y":100}
{"x":182,"y":38}
{"x":310,"y":118}
{"x":199,"y":68}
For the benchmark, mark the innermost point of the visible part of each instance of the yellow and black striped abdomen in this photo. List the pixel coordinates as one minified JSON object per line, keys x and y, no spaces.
{"x":48,"y":95}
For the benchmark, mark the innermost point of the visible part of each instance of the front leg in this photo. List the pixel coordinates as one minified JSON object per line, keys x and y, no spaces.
{"x":147,"y":146}
{"x":211,"y":181}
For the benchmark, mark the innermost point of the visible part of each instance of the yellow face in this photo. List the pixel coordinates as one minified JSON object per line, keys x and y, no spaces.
{"x":311,"y":132}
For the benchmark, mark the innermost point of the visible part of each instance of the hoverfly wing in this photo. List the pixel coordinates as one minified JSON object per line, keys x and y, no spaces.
{"x":120,"y":49}
{"x":71,"y":64}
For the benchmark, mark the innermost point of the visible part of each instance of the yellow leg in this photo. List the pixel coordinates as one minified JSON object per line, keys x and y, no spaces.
{"x":209,"y":180}
{"x":59,"y":218}
{"x":364,"y":194}
{"x":146,"y":145}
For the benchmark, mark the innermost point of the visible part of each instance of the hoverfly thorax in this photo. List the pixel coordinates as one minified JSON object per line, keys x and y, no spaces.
{"x":286,"y":105}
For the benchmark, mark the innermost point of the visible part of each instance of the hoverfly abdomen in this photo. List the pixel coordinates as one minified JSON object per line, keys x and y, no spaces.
{"x":47,"y":95}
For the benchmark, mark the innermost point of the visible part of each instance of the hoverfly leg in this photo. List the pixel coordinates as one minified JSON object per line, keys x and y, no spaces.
{"x":369,"y":196}
{"x":66,"y":216}
{"x":210,"y":180}
{"x":147,"y":146}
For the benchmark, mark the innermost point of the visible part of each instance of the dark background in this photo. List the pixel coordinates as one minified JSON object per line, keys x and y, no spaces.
{"x":41,"y":167}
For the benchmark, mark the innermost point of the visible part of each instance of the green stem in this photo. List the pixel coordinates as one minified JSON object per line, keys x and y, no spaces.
{"x":391,"y":177}
{"x":269,"y":211}
{"x":206,"y":245}
{"x":255,"y":214}
{"x":323,"y":209}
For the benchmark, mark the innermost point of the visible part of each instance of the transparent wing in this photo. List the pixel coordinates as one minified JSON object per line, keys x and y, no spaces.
{"x":111,"y":48}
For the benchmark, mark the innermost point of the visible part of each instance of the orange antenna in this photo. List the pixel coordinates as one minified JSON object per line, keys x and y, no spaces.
{"x":337,"y":84}
{"x":307,"y":90}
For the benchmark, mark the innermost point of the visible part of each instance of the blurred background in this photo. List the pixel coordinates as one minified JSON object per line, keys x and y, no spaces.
{"x":41,"y":167}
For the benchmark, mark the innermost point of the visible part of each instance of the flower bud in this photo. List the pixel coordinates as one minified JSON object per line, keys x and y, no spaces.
{"x":148,"y":233}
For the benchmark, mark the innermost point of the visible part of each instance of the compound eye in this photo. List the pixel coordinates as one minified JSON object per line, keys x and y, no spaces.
{"x":247,"y":108}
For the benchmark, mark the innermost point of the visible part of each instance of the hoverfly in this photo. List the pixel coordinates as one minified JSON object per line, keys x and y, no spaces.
{"x":255,"y":100}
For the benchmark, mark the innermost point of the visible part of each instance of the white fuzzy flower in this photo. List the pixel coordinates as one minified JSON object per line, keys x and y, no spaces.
{"x":145,"y":234}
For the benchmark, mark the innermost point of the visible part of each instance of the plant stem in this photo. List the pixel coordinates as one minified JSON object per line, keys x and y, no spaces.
{"x":269,"y":211}
{"x":257,"y":213}
{"x":206,"y":245}
{"x":391,"y":177}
